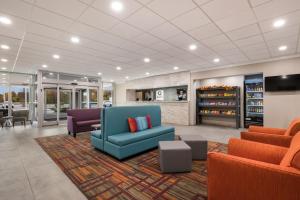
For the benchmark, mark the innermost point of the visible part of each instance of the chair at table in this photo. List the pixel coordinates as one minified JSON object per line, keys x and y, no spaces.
{"x":1,"y":119}
{"x":253,"y":170}
{"x":20,"y":116}
{"x":274,"y":136}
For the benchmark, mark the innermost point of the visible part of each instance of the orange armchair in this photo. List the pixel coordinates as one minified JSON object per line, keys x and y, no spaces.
{"x":254,"y":170}
{"x":275,"y":136}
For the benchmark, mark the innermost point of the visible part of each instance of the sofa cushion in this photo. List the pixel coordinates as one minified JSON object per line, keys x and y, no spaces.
{"x":293,"y":128}
{"x":128,"y":138}
{"x":97,"y":134}
{"x":88,"y":122}
{"x":292,"y":152}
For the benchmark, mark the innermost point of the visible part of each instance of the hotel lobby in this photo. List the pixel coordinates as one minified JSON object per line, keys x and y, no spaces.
{"x":150,"y":99}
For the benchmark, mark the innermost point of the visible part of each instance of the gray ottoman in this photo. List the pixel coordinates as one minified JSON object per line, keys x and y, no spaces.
{"x":198,"y":145}
{"x":175,"y":156}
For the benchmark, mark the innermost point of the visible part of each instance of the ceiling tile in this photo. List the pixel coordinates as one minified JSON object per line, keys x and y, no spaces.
{"x":144,"y":19}
{"x":146,"y":39}
{"x":182,"y":40}
{"x":219,"y":9}
{"x":187,"y":21}
{"x":285,"y":32}
{"x":201,"y":2}
{"x":97,"y":19}
{"x":50,"y":19}
{"x":130,"y":6}
{"x":169,"y":10}
{"x":63,"y":7}
{"x":206,"y":31}
{"x":250,"y":41}
{"x":125,"y":31}
{"x":276,"y":8}
{"x":244,"y":32}
{"x":165,"y":31}
{"x":255,"y":3}
{"x":215,"y":40}
{"x":16,"y":8}
{"x":17,"y":30}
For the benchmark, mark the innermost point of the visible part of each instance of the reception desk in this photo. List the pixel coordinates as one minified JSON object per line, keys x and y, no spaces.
{"x":172,"y":112}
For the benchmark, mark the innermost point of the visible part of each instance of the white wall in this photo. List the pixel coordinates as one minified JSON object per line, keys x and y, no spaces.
{"x":279,"y":108}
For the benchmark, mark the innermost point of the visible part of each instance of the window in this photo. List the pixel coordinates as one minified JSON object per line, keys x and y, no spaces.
{"x":107,"y":94}
{"x":93,"y":93}
{"x":19,"y":97}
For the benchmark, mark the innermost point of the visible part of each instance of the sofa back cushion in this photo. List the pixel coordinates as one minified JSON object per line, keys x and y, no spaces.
{"x":293,"y":154}
{"x":293,"y":128}
{"x":115,"y":119}
{"x":85,"y":114}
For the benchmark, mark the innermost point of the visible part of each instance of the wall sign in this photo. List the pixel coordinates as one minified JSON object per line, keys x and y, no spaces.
{"x":159,"y":95}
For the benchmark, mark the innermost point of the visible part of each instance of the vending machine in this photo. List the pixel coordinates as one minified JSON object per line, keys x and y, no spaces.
{"x":254,"y":100}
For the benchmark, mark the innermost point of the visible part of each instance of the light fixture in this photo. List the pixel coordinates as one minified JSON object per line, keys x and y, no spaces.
{"x":51,"y":74}
{"x":5,"y":20}
{"x":117,"y":6}
{"x":4,"y":46}
{"x":3,"y":78}
{"x":175,"y":68}
{"x":3,"y":74}
{"x":75,"y":39}
{"x":44,"y":66}
{"x":284,"y":76}
{"x":3,"y":68}
{"x":282,"y":48}
{"x":127,"y":77}
{"x":85,"y":77}
{"x":75,"y":80}
{"x":111,"y":80}
{"x":99,"y":73}
{"x":118,"y":68}
{"x":44,"y":77}
{"x":216,"y":60}
{"x":147,"y":73}
{"x":193,"y":47}
{"x":3,"y":60}
{"x":279,"y":23}
{"x":147,"y":60}
{"x":55,"y":56}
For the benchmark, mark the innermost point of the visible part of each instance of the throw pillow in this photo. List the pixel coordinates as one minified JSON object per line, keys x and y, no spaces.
{"x":132,"y":125}
{"x":149,"y":121}
{"x":141,"y":123}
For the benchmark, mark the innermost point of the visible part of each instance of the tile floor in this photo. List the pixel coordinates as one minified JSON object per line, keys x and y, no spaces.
{"x":27,"y":173}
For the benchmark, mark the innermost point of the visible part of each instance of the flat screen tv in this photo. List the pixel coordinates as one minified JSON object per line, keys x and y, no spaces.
{"x":282,"y":83}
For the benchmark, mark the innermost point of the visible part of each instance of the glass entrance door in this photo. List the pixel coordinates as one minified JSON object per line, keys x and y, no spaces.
{"x":50,"y":105}
{"x":65,"y":102}
{"x":81,"y":98}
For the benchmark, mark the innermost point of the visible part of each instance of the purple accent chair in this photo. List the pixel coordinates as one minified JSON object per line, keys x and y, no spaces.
{"x":80,"y":120}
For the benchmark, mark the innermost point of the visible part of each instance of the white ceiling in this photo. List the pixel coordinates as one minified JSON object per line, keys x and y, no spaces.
{"x":236,"y":31}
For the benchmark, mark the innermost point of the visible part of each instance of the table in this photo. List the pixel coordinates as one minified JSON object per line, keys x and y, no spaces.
{"x":197,"y":144}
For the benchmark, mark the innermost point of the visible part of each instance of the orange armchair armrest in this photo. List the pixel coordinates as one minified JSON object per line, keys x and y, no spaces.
{"x":259,"y":129}
{"x":256,"y":151}
{"x":279,"y":140}
{"x":235,"y":178}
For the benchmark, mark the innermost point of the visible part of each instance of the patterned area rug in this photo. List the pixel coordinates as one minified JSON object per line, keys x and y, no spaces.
{"x":100,"y":176}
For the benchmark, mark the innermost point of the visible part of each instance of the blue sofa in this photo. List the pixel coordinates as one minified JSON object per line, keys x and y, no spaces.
{"x":115,"y":137}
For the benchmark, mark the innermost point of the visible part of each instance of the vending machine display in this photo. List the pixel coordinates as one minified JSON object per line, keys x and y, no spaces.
{"x":254,"y":100}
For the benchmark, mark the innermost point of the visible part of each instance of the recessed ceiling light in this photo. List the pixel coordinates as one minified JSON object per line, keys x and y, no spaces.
{"x":55,"y":56}
{"x":3,"y":68}
{"x":75,"y":80}
{"x":3,"y":78}
{"x":284,"y":76}
{"x":3,"y":74}
{"x":193,"y":47}
{"x":3,"y":60}
{"x":4,"y":46}
{"x":147,"y":60}
{"x":44,"y":66}
{"x":216,"y":60}
{"x":44,"y":77}
{"x":175,"y":68}
{"x":127,"y":77}
{"x":117,"y":6}
{"x":282,"y":48}
{"x":51,"y":74}
{"x":75,"y":40}
{"x":85,"y":77}
{"x":279,"y":23}
{"x":147,"y":73}
{"x":111,"y":80}
{"x":99,"y":73}
{"x":5,"y":20}
{"x":118,"y":68}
